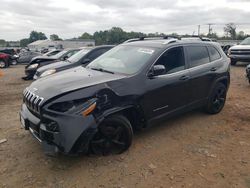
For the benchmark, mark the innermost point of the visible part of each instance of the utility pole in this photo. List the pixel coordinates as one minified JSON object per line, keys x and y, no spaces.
{"x":209,"y":28}
{"x":199,"y":27}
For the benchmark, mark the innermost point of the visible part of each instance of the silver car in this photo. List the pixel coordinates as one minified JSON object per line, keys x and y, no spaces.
{"x":25,"y":57}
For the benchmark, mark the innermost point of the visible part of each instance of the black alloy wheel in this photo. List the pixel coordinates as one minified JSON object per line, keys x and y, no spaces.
{"x":114,"y":136}
{"x":217,"y":99}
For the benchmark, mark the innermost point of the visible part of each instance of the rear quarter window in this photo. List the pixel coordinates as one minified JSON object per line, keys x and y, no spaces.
{"x":214,"y":54}
{"x":197,"y":55}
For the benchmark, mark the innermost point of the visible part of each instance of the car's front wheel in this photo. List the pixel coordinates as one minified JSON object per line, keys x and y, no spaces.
{"x":3,"y":64}
{"x":114,"y":136}
{"x":217,"y":99}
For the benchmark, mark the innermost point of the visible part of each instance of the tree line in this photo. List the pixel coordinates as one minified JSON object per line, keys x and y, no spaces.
{"x":117,"y":35}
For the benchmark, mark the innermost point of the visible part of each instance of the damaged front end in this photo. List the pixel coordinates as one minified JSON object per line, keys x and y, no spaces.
{"x":65,"y":125}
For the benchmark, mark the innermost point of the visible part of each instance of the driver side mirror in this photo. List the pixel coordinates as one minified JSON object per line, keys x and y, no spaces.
{"x":86,"y":61}
{"x":157,"y":70}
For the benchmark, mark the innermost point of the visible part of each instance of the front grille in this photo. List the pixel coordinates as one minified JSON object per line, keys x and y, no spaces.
{"x":241,"y":52}
{"x":32,"y":101}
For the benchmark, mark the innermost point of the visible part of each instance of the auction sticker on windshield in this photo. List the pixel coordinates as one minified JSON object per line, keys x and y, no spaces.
{"x":146,"y":50}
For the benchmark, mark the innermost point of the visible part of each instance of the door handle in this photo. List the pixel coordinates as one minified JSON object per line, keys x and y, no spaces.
{"x":213,"y":69}
{"x":184,"y":77}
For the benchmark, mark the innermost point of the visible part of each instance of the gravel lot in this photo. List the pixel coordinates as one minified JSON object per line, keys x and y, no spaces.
{"x":191,"y":150}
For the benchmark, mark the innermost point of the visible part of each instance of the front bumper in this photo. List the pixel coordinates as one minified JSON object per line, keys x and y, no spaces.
{"x":239,"y":57}
{"x":65,"y":138}
{"x":30,"y":72}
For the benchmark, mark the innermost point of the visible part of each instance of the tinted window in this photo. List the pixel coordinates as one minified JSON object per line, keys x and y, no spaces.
{"x":79,"y":55}
{"x":173,"y":60}
{"x":53,"y":53}
{"x":214,"y":54}
{"x":72,"y":53}
{"x":198,"y":55}
{"x":96,"y":53}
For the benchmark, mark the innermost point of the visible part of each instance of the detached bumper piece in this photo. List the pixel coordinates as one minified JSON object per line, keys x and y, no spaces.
{"x":59,"y":133}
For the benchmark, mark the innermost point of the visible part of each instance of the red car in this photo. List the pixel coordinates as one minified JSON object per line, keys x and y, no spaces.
{"x":4,"y":60}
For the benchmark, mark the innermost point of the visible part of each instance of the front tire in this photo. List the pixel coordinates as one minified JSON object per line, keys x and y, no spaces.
{"x":216,"y":99}
{"x":114,"y":136}
{"x":3,"y":64}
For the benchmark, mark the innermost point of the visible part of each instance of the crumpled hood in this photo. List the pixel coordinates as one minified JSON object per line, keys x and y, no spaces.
{"x":70,"y":80}
{"x":53,"y":66}
{"x":240,"y":47}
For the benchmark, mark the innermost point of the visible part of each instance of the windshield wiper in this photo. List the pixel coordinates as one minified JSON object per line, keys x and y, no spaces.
{"x":102,"y":70}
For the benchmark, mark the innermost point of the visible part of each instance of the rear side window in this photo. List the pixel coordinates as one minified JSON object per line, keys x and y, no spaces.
{"x":214,"y":54}
{"x":198,"y":55}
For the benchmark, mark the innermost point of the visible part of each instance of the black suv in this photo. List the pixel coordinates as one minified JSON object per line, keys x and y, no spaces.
{"x":132,"y":86}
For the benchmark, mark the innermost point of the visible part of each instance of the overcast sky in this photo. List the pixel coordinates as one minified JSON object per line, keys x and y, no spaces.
{"x":70,"y":18}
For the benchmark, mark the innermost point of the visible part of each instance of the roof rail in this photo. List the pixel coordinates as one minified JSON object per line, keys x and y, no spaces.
{"x":197,"y":36}
{"x":152,"y":38}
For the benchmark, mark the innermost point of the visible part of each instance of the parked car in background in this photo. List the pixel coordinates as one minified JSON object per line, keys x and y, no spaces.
{"x":226,"y":47}
{"x":240,"y":52}
{"x":4,"y":60}
{"x":83,"y":57}
{"x":132,"y":86}
{"x":13,"y":55}
{"x":52,"y":52}
{"x":40,"y":61}
{"x":25,"y":57}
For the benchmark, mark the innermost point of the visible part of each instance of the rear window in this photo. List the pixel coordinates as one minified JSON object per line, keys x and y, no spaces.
{"x":214,"y":54}
{"x":198,"y":55}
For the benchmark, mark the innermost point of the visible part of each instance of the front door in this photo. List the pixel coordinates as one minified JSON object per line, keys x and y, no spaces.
{"x":168,"y":92}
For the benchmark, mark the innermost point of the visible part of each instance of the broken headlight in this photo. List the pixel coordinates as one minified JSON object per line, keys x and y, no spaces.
{"x":76,"y":106}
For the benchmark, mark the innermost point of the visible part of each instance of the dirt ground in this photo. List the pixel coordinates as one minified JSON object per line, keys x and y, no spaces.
{"x":191,"y":150}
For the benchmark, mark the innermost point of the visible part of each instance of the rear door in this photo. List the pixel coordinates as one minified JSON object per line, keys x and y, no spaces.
{"x":203,"y":69}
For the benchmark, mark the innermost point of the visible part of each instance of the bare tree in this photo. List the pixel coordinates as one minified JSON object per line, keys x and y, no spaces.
{"x":230,"y":29}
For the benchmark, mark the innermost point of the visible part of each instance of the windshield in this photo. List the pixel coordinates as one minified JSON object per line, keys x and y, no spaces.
{"x":59,"y":55}
{"x":246,"y":41}
{"x":79,"y":55}
{"x":123,"y":59}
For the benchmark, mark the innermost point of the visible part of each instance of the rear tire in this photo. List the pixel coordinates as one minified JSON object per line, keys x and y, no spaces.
{"x":3,"y":64}
{"x":216,"y":99}
{"x":114,"y":136}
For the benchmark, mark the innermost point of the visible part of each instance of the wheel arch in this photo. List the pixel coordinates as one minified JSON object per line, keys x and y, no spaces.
{"x":133,"y":113}
{"x":224,"y":80}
